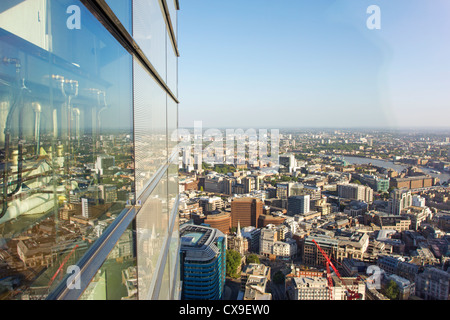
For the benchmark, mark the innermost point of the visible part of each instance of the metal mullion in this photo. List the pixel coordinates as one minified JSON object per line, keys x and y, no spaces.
{"x":94,"y":258}
{"x":96,"y":255}
{"x":103,"y":13}
{"x":153,"y":183}
{"x":169,"y":25}
{"x":165,"y":250}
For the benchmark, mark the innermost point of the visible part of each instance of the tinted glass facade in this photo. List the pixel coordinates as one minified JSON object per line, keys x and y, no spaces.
{"x":89,"y":181}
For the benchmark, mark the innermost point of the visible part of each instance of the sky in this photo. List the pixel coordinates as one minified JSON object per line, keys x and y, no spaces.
{"x":314,"y":63}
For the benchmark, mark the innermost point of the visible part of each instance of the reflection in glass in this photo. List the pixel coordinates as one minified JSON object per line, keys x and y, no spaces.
{"x":152,"y":234}
{"x":172,"y":66}
{"x":150,"y":127}
{"x":149,"y":31}
{"x":122,"y":9}
{"x":65,"y":141}
{"x":117,"y":278}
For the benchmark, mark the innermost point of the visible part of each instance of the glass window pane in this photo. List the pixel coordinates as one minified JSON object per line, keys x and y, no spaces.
{"x":173,"y":187}
{"x":117,"y":278}
{"x":164,"y":291}
{"x":150,"y":127}
{"x":122,"y":10}
{"x":172,"y":68}
{"x":152,"y":233}
{"x":149,"y":32}
{"x":174,"y":257}
{"x":172,"y":123}
{"x":65,"y":139}
{"x":173,"y":15}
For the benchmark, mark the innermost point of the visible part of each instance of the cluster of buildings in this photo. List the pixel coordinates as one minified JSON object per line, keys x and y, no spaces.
{"x":360,"y":219}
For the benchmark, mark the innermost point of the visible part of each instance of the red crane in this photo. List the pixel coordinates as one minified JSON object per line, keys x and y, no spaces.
{"x":61,"y":266}
{"x":351,"y":294}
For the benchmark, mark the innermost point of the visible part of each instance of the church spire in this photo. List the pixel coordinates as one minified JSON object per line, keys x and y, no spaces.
{"x":239,"y":235}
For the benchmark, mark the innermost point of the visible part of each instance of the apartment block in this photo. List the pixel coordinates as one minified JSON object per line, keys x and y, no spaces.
{"x":355,"y":191}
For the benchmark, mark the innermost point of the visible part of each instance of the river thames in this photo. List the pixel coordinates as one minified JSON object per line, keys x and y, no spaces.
{"x":397,"y":167}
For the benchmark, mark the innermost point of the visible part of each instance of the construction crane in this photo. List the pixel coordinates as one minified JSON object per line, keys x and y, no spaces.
{"x":61,"y":266}
{"x":351,"y":294}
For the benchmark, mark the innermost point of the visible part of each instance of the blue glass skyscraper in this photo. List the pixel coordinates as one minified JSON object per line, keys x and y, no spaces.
{"x":203,"y":262}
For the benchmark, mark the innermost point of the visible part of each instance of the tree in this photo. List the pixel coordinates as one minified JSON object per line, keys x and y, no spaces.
{"x":233,"y":260}
{"x":252,"y":258}
{"x":278,"y":277}
{"x":392,"y":291}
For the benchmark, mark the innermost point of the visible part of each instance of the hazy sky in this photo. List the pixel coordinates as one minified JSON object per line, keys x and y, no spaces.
{"x":303,"y":63}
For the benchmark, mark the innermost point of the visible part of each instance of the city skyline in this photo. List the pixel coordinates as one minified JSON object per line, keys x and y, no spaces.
{"x":314,"y":65}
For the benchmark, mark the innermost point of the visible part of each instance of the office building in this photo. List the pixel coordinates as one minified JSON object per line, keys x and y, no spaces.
{"x":415,"y":182}
{"x":218,"y":220}
{"x":287,"y":163}
{"x":311,"y":255}
{"x":418,"y":201}
{"x":284,"y":190}
{"x":399,"y":200}
{"x":254,"y":280}
{"x":275,"y":243}
{"x":298,"y":204}
{"x":210,"y":204}
{"x":246,"y":211}
{"x":256,"y":270}
{"x":103,"y":163}
{"x":405,"y":287}
{"x":341,"y":286}
{"x":323,"y":206}
{"x":377,"y":183}
{"x":269,"y":235}
{"x":252,"y":234}
{"x":203,"y":260}
{"x":433,"y":284}
{"x":386,"y":221}
{"x":356,"y":208}
{"x":417,"y":215}
{"x":89,"y":107}
{"x":308,"y":288}
{"x":355,"y":191}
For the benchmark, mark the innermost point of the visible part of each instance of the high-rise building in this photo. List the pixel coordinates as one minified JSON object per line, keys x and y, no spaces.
{"x":355,"y":192}
{"x":399,"y":200}
{"x":84,"y":207}
{"x":298,"y":204}
{"x":203,"y":260}
{"x":246,"y":211}
{"x":287,"y":163}
{"x":89,"y":110}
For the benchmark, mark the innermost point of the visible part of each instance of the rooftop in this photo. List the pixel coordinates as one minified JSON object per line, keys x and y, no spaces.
{"x":199,"y":242}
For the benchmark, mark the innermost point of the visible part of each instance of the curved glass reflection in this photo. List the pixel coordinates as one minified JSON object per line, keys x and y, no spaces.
{"x":66,"y":140}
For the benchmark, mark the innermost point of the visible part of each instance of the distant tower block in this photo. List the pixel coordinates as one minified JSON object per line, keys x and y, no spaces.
{"x":85,"y":207}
